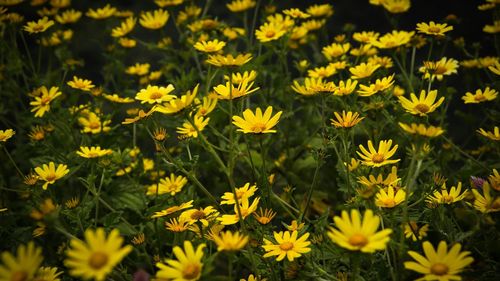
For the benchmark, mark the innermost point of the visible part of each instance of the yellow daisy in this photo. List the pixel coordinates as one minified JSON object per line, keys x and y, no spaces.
{"x":246,"y":209}
{"x":205,"y":106}
{"x":380,"y":85}
{"x":237,"y":6}
{"x":154,"y":20}
{"x":93,"y":124}
{"x":177,"y":225}
{"x":413,"y":231}
{"x":187,"y":267}
{"x":228,"y":60}
{"x":444,"y":196}
{"x":484,"y":202}
{"x":396,"y":6}
{"x":288,"y":245}
{"x":229,"y":241}
{"x":493,"y":135}
{"x":389,"y":198}
{"x":380,"y":157}
{"x":172,"y":185}
{"x":38,"y":26}
{"x":81,"y":84}
{"x":345,"y":88}
{"x":432,"y":28}
{"x":421,"y":129}
{"x":495,"y":68}
{"x":139,"y":69}
{"x":335,"y":50}
{"x":48,"y":274}
{"x":118,"y":99}
{"x":125,"y":27}
{"x":41,"y":104}
{"x":393,"y":39}
{"x":6,"y":134}
{"x":178,"y":104}
{"x":296,"y":13}
{"x":322,"y":72}
{"x":155,"y":94}
{"x":101,"y":13}
{"x":441,"y":264}
{"x":68,"y":16}
{"x":480,"y":95}
{"x":422,"y":105}
{"x":264,"y":216}
{"x":190,"y":130}
{"x":173,"y":209}
{"x":50,"y":174}
{"x":313,"y":86}
{"x":209,"y":46}
{"x":23,"y":266}
{"x":363,"y":70}
{"x":269,"y":32}
{"x":257,"y":123}
{"x":93,"y":152}
{"x":242,"y":193}
{"x":359,"y":234}
{"x":202,"y":215}
{"x":438,"y":69}
{"x":97,"y":256}
{"x":347,"y":120}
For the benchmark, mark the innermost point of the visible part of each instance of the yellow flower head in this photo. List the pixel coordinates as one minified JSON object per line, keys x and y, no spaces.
{"x":238,"y":78}
{"x":154,"y":20}
{"x":313,"y":86}
{"x":444,"y":196}
{"x":264,"y":216}
{"x":432,"y":28}
{"x":190,"y":130}
{"x":125,"y":27}
{"x":93,"y":152}
{"x":237,"y":6}
{"x":242,"y":193}
{"x":485,"y":203}
{"x":296,"y":13}
{"x":245,"y":209}
{"x":393,"y":40}
{"x":335,"y":50}
{"x":38,"y":26}
{"x":228,"y":60}
{"x":389,"y":198}
{"x":413,"y":231}
{"x":178,"y":104}
{"x":365,"y":37}
{"x":155,"y":94}
{"x":139,"y":69}
{"x":230,"y":91}
{"x":493,"y":135}
{"x":347,"y":120}
{"x":97,"y":256}
{"x":380,"y":157}
{"x":320,"y":10}
{"x":322,"y":72}
{"x":495,"y":68}
{"x":257,"y":123}
{"x":118,"y":99}
{"x":209,"y":46}
{"x":205,"y":107}
{"x":358,"y":233}
{"x":177,"y":225}
{"x":423,"y":105}
{"x":173,"y":209}
{"x":287,"y":244}
{"x":202,"y":215}
{"x":422,"y":130}
{"x":269,"y":32}
{"x":492,"y":28}
{"x":441,"y":264}
{"x":380,"y":85}
{"x":228,"y":241}
{"x":172,"y":185}
{"x":68,"y":16}
{"x":81,"y":84}
{"x":50,"y":174}
{"x":24,"y":266}
{"x":101,"y":13}
{"x":363,"y":70}
{"x":93,"y":124}
{"x":187,"y":267}
{"x":438,"y":69}
{"x":345,"y":87}
{"x":6,"y":134}
{"x":480,"y":96}
{"x":396,"y":6}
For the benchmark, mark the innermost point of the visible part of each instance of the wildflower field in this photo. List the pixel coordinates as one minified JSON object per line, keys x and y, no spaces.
{"x":249,"y":140}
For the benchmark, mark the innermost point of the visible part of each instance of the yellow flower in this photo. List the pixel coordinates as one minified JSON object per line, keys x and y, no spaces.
{"x":294,"y":226}
{"x":391,"y":198}
{"x":313,"y":86}
{"x":246,"y":209}
{"x":495,"y":180}
{"x":413,"y":231}
{"x":23,"y":266}
{"x":207,"y":106}
{"x":480,"y":96}
{"x":493,"y":135}
{"x":393,"y":40}
{"x":269,"y":32}
{"x":209,"y":46}
{"x":127,"y":42}
{"x":322,"y":72}
{"x":81,"y":84}
{"x":421,"y":129}
{"x":359,"y":234}
{"x":363,"y":70}
{"x":165,"y":3}
{"x":396,"y":6}
{"x":444,"y":196}
{"x":48,"y":274}
{"x":173,"y":209}
{"x":228,"y":241}
{"x":60,"y":3}
{"x":93,"y":152}
{"x":432,"y":28}
{"x":155,"y":94}
{"x":441,"y":264}
{"x":296,"y":13}
{"x":347,"y":120}
{"x":41,"y":104}
{"x":187,"y":267}
{"x":118,"y":99}
{"x":97,"y":256}
{"x":345,"y":87}
{"x":202,"y":215}
{"x":257,"y":123}
{"x":320,"y":10}
{"x":439,"y":69}
{"x":6,"y":134}
{"x":177,"y":225}
{"x":237,"y":6}
{"x":228,"y":60}
{"x":251,"y":277}
{"x":264,"y":216}
{"x":380,"y":157}
{"x":188,"y":130}
{"x":288,"y":245}
{"x":50,"y":174}
{"x":230,"y":91}
{"x":484,"y":202}
{"x":495,"y":68}
{"x":237,"y":78}
{"x":125,"y":27}
{"x":242,"y":193}
{"x":38,"y":26}
{"x":493,"y":28}
{"x":139,"y":69}
{"x":385,"y":62}
{"x":92,"y":124}
{"x":335,"y":50}
{"x":178,"y":104}
{"x":68,"y":16}
{"x":101,"y":13}
{"x":233,"y":32}
{"x":172,"y":185}
{"x":380,"y":85}
{"x":365,"y":37}
{"x":154,"y":20}
{"x":422,"y":105}
{"x":353,"y":165}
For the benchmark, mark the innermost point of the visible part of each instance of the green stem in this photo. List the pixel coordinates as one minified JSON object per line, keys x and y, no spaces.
{"x":13,"y":162}
{"x":310,"y":192}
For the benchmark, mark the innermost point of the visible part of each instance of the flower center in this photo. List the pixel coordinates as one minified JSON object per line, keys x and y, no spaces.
{"x":439,"y":269}
{"x":198,"y":215}
{"x":378,"y":158}
{"x":286,"y":246}
{"x":38,"y":28}
{"x":434,"y":29}
{"x":270,"y":33}
{"x":258,"y":128}
{"x":448,"y":199}
{"x":358,"y":240}
{"x":45,"y":100}
{"x":239,"y":194}
{"x":155,"y":95}
{"x":50,"y":177}
{"x":389,"y":203}
{"x":422,"y":108}
{"x":191,"y":271}
{"x":98,"y":260}
{"x":19,"y":276}
{"x":94,"y":125}
{"x":479,"y":97}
